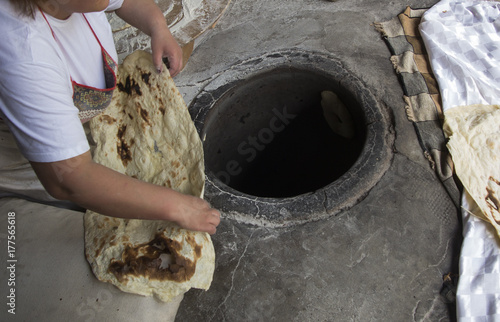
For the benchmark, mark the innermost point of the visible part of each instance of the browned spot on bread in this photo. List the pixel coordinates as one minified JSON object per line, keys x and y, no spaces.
{"x":144,"y":260}
{"x":108,"y":119}
{"x":101,"y":247}
{"x":143,"y":113}
{"x":129,"y":87}
{"x":145,"y":77}
{"x":197,"y":248}
{"x":161,"y":104}
{"x":123,"y":148}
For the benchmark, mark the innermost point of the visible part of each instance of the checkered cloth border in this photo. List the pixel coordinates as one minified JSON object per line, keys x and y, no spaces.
{"x":421,"y":92}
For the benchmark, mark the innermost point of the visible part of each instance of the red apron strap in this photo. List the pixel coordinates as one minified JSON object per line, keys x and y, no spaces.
{"x":92,"y":29}
{"x":43,"y":14}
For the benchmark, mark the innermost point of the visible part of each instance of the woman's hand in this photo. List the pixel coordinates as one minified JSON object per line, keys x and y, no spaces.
{"x":146,"y":16}
{"x":193,"y":213}
{"x":164,"y":45}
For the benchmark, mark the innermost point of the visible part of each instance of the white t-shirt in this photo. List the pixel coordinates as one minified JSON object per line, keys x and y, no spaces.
{"x":36,"y":69}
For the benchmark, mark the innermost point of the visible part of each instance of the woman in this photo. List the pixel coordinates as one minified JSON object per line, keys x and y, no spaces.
{"x":54,"y":54}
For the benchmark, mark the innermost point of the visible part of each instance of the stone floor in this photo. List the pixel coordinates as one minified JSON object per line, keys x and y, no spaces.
{"x":383,"y":259}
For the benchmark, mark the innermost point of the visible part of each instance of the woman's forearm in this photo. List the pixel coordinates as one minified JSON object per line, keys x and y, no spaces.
{"x":108,"y":192}
{"x":142,"y":14}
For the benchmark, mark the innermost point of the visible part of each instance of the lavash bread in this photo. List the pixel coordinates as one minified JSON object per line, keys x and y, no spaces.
{"x":474,"y":144}
{"x":147,"y":133}
{"x":336,"y":115}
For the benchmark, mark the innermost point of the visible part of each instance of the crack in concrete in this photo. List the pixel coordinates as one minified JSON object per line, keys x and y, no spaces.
{"x":443,"y":258}
{"x":232,"y":276}
{"x":415,"y":310}
{"x":428,"y":314}
{"x":361,"y":249}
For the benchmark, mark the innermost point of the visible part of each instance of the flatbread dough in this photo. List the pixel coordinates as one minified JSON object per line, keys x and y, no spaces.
{"x":474,"y":144}
{"x":336,"y":115}
{"x":147,"y":133}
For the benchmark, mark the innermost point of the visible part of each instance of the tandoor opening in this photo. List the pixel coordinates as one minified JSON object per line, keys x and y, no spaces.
{"x":271,"y":135}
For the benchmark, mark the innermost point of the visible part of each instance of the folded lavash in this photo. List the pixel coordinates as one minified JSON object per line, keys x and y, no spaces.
{"x":147,"y":133}
{"x":474,"y":144}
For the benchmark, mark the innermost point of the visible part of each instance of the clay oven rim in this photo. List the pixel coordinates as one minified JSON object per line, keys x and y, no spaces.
{"x":340,"y":194}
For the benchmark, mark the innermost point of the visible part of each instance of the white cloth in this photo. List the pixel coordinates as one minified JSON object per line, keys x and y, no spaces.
{"x":36,"y":92}
{"x":478,"y":294}
{"x":463,"y":42}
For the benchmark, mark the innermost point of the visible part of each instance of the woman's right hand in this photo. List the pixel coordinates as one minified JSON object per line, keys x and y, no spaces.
{"x":193,"y":213}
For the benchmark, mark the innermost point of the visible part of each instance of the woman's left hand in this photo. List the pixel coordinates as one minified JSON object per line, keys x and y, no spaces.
{"x":164,"y":45}
{"x":147,"y":16}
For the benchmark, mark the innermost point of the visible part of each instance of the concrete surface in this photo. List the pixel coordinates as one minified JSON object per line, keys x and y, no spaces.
{"x":383,"y":259}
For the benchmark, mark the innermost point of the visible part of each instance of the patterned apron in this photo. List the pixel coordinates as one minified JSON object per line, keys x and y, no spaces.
{"x":92,"y":101}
